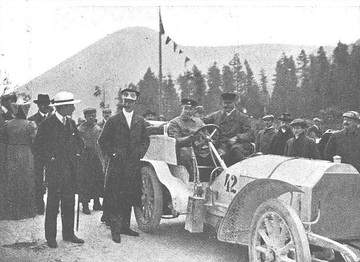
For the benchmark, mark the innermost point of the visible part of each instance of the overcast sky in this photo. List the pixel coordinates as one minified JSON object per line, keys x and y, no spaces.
{"x":37,"y":35}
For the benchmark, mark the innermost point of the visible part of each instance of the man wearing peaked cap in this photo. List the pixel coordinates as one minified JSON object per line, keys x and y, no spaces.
{"x":284,"y":133}
{"x":44,"y":111}
{"x":124,"y":139}
{"x":235,"y":127}
{"x":182,"y":129}
{"x":93,"y":177}
{"x":265,"y":136}
{"x":346,"y":142}
{"x":58,"y":146}
{"x":301,"y":145}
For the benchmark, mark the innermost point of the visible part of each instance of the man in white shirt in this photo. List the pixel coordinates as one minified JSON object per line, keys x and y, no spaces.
{"x":124,"y":140}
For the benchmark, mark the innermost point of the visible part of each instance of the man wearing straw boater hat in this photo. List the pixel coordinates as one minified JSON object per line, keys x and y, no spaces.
{"x":58,"y":146}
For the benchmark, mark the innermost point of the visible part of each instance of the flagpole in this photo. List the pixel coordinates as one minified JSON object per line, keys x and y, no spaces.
{"x":161,"y":29}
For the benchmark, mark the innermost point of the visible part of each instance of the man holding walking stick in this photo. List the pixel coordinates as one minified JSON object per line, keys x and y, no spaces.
{"x":58,"y":145}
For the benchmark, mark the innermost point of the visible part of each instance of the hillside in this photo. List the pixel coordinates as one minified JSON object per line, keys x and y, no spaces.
{"x":124,"y":56}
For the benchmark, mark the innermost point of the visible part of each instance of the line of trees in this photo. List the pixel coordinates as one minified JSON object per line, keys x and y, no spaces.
{"x":312,"y":85}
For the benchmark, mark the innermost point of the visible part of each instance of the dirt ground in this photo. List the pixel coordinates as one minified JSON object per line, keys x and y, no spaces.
{"x":23,"y":241}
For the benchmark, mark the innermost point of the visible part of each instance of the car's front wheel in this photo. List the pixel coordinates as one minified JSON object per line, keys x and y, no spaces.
{"x":148,"y":215}
{"x":277,"y":235}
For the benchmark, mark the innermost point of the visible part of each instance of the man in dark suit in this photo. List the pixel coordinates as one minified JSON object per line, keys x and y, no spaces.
{"x":236,"y":133}
{"x":58,"y":146}
{"x":43,"y":104}
{"x":277,"y":145}
{"x":125,"y":140}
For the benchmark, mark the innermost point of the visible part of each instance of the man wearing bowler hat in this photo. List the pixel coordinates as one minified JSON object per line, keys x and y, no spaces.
{"x":284,"y":133}
{"x":301,"y":145}
{"x":44,"y":109}
{"x":125,"y":140}
{"x":236,"y":133}
{"x":58,"y":146}
{"x":346,"y":142}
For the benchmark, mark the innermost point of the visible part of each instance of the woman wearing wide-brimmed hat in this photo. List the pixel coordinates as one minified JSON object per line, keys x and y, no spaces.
{"x":20,"y":184}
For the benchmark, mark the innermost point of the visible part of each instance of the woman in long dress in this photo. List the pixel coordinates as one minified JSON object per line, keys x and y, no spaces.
{"x":20,"y":192}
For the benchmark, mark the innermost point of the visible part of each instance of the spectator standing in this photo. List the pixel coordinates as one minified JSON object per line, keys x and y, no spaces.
{"x":315,"y":131}
{"x":265,"y":136}
{"x":284,"y":133}
{"x":106,"y":113}
{"x":346,"y":142}
{"x":20,"y":184}
{"x":236,"y":133}
{"x":125,"y":140}
{"x":44,"y":110}
{"x":58,"y":145}
{"x":301,"y":145}
{"x":6,"y":101}
{"x":93,"y":176}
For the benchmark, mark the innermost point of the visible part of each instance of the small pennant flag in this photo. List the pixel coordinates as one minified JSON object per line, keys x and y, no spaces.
{"x":168,"y":39}
{"x":180,"y":51}
{"x":175,"y":46}
{"x":187,"y":60}
{"x":162,"y":31}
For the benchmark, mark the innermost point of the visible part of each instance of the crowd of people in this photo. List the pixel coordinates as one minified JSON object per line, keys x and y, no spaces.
{"x":49,"y":153}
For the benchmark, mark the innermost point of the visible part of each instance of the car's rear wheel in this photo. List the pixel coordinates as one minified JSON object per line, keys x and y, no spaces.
{"x":277,"y":234}
{"x":148,"y":215}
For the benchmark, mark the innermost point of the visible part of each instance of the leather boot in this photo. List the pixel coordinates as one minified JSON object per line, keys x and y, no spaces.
{"x":115,"y":226}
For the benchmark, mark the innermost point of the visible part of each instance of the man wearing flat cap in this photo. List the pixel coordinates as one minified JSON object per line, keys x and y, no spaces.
{"x":346,"y":142}
{"x":93,"y":177}
{"x":284,"y":133}
{"x":44,"y":111}
{"x":236,"y":133}
{"x":182,"y":129}
{"x":106,"y":113}
{"x":265,"y":136}
{"x":58,"y":145}
{"x":301,"y":145}
{"x":124,"y":140}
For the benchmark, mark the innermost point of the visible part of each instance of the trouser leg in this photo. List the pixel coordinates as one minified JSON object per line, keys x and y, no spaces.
{"x":67,"y":214}
{"x":126,"y":214}
{"x":52,"y":209}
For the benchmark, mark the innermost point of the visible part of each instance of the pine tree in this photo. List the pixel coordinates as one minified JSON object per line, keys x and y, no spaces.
{"x":149,"y":89}
{"x":355,"y":76}
{"x":186,"y":87}
{"x":227,"y":79}
{"x":252,"y":96}
{"x":199,"y":85}
{"x":264,"y":93}
{"x":239,"y":76}
{"x":212,"y":99}
{"x":172,"y":106}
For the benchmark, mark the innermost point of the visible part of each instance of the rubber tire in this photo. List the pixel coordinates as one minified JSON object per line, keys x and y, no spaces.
{"x":294,"y":226}
{"x":151,"y":224}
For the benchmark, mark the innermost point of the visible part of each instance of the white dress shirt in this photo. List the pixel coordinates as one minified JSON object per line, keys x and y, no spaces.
{"x":128,"y":116}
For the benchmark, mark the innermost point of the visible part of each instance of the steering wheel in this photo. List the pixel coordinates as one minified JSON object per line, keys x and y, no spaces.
{"x":203,"y":135}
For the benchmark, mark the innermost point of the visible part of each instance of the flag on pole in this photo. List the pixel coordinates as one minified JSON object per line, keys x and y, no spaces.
{"x":162,"y":31}
{"x":168,"y":39}
{"x":187,"y":60}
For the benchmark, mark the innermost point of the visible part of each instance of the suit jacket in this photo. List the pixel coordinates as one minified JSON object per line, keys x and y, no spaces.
{"x":303,"y":146}
{"x":58,"y":148}
{"x":125,"y":146}
{"x":37,"y":118}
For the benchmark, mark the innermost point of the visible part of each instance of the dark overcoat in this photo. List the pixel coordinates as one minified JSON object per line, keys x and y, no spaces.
{"x":303,"y":146}
{"x":277,"y":145}
{"x":59,"y":149}
{"x":236,"y":124}
{"x":125,"y":147}
{"x":346,"y":144}
{"x":264,"y":138}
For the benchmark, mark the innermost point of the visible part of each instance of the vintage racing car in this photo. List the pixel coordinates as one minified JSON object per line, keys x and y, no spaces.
{"x":283,"y":208}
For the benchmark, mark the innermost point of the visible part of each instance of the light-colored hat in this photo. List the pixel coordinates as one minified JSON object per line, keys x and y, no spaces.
{"x":64,"y":98}
{"x":299,"y":122}
{"x":352,"y":115}
{"x":268,"y":117}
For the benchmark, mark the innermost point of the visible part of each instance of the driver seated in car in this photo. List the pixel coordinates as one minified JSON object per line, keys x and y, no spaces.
{"x":236,"y":134}
{"x":182,"y":129}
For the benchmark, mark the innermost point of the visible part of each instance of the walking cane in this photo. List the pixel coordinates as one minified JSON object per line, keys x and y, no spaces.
{"x":77,"y":214}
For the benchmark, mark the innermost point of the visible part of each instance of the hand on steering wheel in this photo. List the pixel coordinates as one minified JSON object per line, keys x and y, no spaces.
{"x":204,"y":135}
